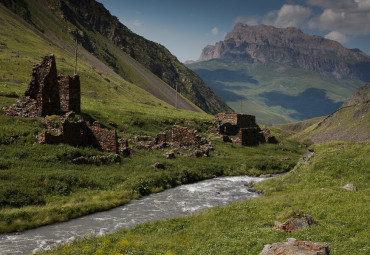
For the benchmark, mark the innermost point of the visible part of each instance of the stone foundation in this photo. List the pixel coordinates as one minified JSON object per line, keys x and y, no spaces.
{"x":81,"y":133}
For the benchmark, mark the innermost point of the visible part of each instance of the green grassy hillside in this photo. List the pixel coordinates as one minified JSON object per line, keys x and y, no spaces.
{"x":348,"y":123}
{"x":40,"y":185}
{"x":275,"y":93}
{"x":139,"y":61}
{"x":313,"y":187}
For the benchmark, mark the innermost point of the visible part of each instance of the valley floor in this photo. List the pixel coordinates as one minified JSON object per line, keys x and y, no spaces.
{"x":313,"y":187}
{"x":40,"y":184}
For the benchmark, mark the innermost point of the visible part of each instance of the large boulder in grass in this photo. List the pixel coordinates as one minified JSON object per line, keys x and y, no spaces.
{"x":294,"y":247}
{"x":295,"y":223}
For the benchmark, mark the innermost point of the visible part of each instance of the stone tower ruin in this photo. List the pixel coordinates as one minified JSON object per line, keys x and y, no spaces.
{"x":48,"y":93}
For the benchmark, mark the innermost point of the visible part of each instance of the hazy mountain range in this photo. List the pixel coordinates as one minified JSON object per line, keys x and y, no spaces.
{"x":281,"y":74}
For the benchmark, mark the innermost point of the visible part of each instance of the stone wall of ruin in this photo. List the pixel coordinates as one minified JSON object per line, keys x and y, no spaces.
{"x":70,"y":93}
{"x":223,"y":118}
{"x":244,"y":127}
{"x":48,"y":94}
{"x":250,"y":136}
{"x":80,"y":133}
{"x":107,"y":139}
{"x":245,"y":120}
{"x":179,"y":135}
{"x":43,"y":87}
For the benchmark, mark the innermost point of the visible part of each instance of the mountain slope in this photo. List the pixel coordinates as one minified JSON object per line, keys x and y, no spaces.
{"x":106,"y":96}
{"x":292,"y":76}
{"x":351,"y":122}
{"x":105,"y":37}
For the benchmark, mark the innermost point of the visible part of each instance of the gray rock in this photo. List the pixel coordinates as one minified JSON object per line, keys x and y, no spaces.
{"x":350,"y":187}
{"x":294,"y":247}
{"x":294,"y":224}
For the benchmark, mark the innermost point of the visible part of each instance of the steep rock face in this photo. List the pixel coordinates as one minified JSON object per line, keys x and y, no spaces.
{"x":262,"y":43}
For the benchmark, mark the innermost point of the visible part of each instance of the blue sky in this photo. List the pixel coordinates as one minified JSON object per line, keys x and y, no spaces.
{"x":186,"y":27}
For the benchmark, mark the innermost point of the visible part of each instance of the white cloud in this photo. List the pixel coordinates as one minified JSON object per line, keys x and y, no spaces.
{"x":337,"y":36}
{"x":292,"y":16}
{"x":287,"y":16}
{"x":348,"y":17}
{"x":342,"y":20}
{"x":214,"y":31}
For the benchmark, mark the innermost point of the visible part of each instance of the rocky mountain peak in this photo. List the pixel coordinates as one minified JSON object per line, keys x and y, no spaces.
{"x":288,"y":46}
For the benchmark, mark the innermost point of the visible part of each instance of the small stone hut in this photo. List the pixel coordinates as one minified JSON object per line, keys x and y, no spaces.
{"x":244,"y":128}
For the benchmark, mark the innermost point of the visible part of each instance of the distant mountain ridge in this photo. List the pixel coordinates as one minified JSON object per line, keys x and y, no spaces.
{"x":262,"y":43}
{"x":281,"y":75}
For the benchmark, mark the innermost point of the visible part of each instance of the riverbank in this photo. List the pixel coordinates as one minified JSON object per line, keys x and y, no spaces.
{"x":183,"y":200}
{"x":40,"y":184}
{"x":313,"y":187}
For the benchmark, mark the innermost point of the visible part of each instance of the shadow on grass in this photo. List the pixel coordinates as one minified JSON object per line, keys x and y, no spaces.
{"x":309,"y":104}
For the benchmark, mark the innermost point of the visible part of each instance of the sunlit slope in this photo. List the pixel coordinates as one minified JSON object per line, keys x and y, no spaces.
{"x":351,"y":122}
{"x":136,"y":59}
{"x":105,"y":95}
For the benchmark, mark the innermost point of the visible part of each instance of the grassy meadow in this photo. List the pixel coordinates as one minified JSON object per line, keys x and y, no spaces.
{"x":40,"y":185}
{"x":312,"y":187}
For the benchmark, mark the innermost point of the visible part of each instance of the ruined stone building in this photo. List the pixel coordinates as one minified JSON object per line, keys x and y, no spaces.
{"x":244,"y":128}
{"x":50,"y":94}
{"x":82,"y":133}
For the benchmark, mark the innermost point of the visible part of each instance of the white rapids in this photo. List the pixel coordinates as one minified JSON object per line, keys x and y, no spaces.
{"x":180,"y":201}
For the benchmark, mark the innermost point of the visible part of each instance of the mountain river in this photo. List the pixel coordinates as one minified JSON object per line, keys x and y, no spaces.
{"x":180,"y":201}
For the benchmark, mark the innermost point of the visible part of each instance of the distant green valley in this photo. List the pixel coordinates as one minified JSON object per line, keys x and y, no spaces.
{"x":275,"y":93}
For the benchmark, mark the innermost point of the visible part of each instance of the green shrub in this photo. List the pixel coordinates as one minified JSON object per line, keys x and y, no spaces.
{"x":17,"y":197}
